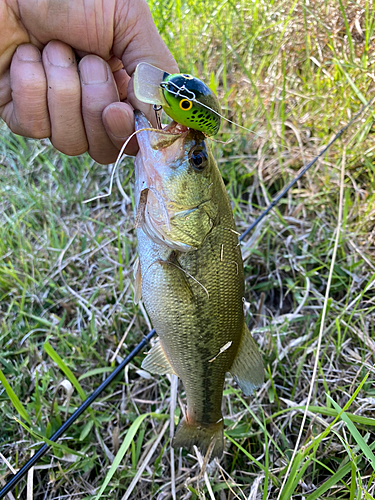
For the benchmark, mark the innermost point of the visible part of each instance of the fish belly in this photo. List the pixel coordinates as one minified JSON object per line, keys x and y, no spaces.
{"x":194,"y":300}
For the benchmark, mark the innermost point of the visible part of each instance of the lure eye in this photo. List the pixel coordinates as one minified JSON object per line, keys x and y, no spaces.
{"x":198,"y":158}
{"x":185,"y":104}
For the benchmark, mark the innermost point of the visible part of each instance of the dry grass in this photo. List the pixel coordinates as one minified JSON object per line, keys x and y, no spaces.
{"x":294,"y":73}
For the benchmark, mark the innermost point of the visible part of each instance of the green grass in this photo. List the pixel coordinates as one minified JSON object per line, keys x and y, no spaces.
{"x":294,"y":73}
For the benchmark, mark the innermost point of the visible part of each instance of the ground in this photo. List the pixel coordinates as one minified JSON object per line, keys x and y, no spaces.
{"x":294,"y":73}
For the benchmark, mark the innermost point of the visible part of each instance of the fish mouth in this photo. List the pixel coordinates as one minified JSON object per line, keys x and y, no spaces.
{"x":159,"y":139}
{"x":141,"y":121}
{"x":160,"y":152}
{"x":157,"y":150}
{"x":163,"y":138}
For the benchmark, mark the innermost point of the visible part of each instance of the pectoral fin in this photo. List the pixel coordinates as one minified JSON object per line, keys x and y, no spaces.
{"x":157,"y":362}
{"x":140,"y":216}
{"x":247,"y":367}
{"x":137,"y":281}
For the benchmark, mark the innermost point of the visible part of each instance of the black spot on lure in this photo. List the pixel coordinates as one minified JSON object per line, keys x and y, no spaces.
{"x":183,"y":97}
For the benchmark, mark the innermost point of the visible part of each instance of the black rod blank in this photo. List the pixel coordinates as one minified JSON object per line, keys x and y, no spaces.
{"x":304,"y":170}
{"x":43,"y":449}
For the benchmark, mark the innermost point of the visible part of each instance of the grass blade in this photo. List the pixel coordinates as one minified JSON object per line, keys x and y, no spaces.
{"x":53,"y":444}
{"x":123,"y":449}
{"x":332,"y":481}
{"x":355,"y":433}
{"x":14,"y":399}
{"x":65,"y":369}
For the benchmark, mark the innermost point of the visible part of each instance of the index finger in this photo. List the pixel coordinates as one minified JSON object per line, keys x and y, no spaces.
{"x":137,"y":40}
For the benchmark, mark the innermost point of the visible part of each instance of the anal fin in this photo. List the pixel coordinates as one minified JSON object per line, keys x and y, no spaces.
{"x":156,"y":361}
{"x":247,"y":367}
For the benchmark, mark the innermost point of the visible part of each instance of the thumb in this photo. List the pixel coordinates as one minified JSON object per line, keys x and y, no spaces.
{"x":137,"y":40}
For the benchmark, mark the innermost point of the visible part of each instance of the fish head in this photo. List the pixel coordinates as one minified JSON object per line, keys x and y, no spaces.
{"x":175,"y":176}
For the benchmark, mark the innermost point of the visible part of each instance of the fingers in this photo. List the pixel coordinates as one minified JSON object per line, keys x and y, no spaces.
{"x":27,"y":113}
{"x":137,"y":40}
{"x":76,"y":104}
{"x":122,"y":81}
{"x":5,"y":93}
{"x":118,"y":119}
{"x":64,"y":99}
{"x":44,"y":96}
{"x":98,"y":91}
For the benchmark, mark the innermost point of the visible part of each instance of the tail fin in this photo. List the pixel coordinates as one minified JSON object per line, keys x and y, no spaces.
{"x":187,"y":435}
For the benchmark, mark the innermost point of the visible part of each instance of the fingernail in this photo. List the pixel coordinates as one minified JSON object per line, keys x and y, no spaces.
{"x":93,"y":70}
{"x":117,"y":122}
{"x":28,"y":53}
{"x":57,"y":56}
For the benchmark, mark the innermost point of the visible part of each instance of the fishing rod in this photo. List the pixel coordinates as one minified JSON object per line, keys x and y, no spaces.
{"x":304,"y":170}
{"x":11,"y":484}
{"x":43,"y":449}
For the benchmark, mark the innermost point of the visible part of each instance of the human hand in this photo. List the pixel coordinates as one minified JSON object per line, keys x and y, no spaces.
{"x":44,"y":93}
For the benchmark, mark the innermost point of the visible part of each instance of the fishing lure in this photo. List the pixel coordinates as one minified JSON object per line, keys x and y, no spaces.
{"x":183,"y":97}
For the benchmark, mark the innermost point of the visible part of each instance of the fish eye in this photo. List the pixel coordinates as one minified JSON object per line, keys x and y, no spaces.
{"x":198,"y":158}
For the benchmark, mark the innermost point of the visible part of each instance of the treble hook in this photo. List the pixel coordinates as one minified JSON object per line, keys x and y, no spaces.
{"x":157,"y":109}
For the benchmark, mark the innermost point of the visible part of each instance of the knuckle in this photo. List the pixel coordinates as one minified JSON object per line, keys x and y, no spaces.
{"x":37,"y":130}
{"x":71,"y":149}
{"x":65,"y":90}
{"x":103,"y":157}
{"x":28,"y":123}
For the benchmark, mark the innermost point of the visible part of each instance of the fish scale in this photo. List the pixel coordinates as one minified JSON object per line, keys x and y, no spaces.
{"x":191,"y":279}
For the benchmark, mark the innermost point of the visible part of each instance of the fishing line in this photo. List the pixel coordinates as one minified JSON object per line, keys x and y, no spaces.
{"x":192,"y":98}
{"x":43,"y":450}
{"x":120,"y":157}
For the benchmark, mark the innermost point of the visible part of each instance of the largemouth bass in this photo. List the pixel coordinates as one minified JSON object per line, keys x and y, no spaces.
{"x":191,"y":279}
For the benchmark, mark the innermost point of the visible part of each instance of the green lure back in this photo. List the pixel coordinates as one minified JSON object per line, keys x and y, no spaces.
{"x":186,"y":99}
{"x":191,"y":103}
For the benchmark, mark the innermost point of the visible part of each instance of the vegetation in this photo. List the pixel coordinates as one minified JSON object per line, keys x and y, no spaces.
{"x":294,"y":72}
